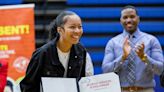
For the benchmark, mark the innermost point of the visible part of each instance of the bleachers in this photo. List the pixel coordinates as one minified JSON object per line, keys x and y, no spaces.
{"x":10,"y":2}
{"x":114,"y":12}
{"x":109,"y":2}
{"x":115,"y":27}
{"x":89,"y":42}
{"x":45,"y":12}
{"x":101,"y":23}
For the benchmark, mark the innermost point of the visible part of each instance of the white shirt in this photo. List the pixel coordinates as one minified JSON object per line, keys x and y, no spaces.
{"x":64,"y":58}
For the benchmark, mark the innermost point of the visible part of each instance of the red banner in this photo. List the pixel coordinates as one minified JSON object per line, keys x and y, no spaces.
{"x":17,"y":40}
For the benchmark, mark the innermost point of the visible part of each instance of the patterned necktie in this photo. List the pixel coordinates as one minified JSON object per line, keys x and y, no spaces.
{"x":131,"y":65}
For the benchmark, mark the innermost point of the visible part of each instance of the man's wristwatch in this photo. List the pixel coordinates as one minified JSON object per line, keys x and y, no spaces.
{"x":144,"y":58}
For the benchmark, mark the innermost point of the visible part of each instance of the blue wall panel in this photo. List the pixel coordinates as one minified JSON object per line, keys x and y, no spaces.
{"x":112,"y":12}
{"x":4,"y":2}
{"x":102,"y":41}
{"x":115,"y":27}
{"x":108,"y":2}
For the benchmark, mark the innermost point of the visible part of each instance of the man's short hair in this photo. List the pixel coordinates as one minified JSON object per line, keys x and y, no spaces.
{"x":131,"y":7}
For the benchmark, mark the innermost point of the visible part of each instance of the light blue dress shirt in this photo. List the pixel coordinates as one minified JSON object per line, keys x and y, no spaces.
{"x":144,"y":72}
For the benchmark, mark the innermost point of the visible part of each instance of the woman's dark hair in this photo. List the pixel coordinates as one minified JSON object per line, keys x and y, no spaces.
{"x":58,"y":22}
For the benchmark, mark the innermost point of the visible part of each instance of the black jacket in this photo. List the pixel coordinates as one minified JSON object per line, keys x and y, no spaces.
{"x":45,"y":63}
{"x":162,"y":79}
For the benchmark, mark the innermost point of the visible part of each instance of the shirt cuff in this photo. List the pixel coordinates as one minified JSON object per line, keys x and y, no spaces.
{"x":118,"y":63}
